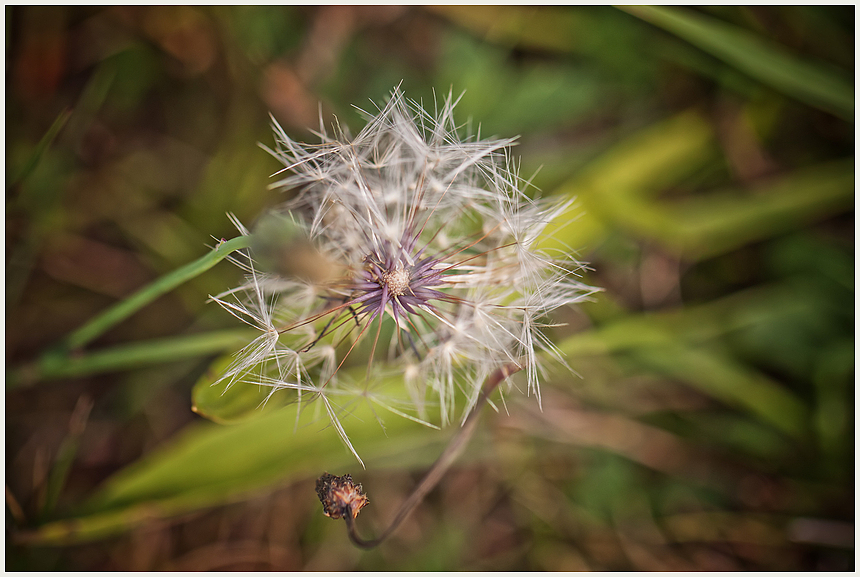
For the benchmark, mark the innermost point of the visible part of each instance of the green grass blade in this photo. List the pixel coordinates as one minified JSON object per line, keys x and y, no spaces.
{"x":705,"y":225}
{"x":122,"y":310}
{"x":732,"y":383}
{"x":66,"y":454}
{"x":59,"y":365}
{"x":811,"y":83}
{"x":669,"y":343}
{"x":655,"y":157}
{"x":715,"y":223}
{"x":719,"y":222}
{"x":40,"y":149}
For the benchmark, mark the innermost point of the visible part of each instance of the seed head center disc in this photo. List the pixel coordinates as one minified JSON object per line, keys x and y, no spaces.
{"x":397,"y":281}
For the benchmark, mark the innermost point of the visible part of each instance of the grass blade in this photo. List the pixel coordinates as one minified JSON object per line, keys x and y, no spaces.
{"x":40,"y":149}
{"x":811,"y":83}
{"x":122,"y":310}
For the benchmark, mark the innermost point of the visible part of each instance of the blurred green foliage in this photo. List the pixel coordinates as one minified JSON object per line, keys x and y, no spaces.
{"x":710,"y":423}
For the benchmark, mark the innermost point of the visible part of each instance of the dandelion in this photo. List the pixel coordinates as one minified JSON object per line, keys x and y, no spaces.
{"x":437,"y":276}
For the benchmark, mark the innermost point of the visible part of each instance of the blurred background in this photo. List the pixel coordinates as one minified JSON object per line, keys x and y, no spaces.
{"x":710,"y":423}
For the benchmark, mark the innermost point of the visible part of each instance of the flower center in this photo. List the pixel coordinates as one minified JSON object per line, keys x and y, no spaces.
{"x":397,"y":281}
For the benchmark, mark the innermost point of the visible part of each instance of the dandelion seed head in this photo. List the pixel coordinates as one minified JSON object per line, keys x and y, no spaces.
{"x":434,"y":237}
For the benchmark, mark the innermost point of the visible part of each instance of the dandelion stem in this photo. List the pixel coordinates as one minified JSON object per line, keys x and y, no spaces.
{"x":442,"y":464}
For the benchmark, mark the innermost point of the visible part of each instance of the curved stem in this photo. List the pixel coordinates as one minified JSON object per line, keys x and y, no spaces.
{"x":442,"y":464}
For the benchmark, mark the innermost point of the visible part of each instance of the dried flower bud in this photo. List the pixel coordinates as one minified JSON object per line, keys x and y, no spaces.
{"x":340,"y":496}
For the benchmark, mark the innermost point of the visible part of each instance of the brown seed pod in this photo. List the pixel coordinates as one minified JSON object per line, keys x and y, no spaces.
{"x":340,"y":496}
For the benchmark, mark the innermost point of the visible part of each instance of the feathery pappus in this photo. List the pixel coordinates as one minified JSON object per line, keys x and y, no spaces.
{"x":429,"y":241}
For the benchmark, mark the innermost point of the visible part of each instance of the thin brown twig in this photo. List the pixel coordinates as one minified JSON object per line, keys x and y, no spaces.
{"x":442,"y":464}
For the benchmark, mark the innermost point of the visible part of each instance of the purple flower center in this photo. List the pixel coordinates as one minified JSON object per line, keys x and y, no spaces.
{"x":392,"y":279}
